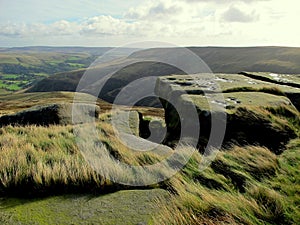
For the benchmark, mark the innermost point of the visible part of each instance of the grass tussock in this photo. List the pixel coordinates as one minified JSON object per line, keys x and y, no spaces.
{"x":269,"y":90}
{"x":263,"y":127}
{"x":37,"y":159}
{"x":272,"y":90}
{"x":218,"y":199}
{"x":57,"y":159}
{"x":243,"y":185}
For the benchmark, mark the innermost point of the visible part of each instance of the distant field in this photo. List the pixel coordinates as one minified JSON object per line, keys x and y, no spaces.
{"x":19,"y":70}
{"x":31,"y":64}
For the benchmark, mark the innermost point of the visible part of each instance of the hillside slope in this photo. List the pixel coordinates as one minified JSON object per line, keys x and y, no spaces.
{"x":23,"y":66}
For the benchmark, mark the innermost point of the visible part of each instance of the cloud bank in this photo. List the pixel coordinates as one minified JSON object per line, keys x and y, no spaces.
{"x":183,"y":22}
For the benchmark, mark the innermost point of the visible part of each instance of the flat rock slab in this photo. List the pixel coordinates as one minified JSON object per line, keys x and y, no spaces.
{"x":219,"y":92}
{"x":141,"y":145}
{"x":292,"y":80}
{"x":216,"y":83}
{"x":240,"y":99}
{"x":10,"y":104}
{"x":230,"y":101}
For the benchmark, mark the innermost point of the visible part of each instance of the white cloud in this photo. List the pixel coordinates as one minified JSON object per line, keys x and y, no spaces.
{"x":103,"y":25}
{"x":63,"y":27}
{"x":20,"y":30}
{"x":161,"y":10}
{"x":234,"y":14}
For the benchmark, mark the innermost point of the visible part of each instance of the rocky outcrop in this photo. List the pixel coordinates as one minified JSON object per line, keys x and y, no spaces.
{"x":62,"y":114}
{"x":289,"y":83}
{"x":251,"y":115}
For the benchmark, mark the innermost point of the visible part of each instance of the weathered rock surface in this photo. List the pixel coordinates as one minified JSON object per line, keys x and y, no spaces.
{"x":245,"y":103}
{"x":289,"y":83}
{"x":292,"y":80}
{"x":45,"y":115}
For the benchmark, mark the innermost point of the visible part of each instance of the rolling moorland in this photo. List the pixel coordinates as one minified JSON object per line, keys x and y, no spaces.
{"x":219,"y":60}
{"x":45,"y":177}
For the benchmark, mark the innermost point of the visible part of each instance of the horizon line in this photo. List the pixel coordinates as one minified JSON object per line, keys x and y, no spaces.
{"x":191,"y":46}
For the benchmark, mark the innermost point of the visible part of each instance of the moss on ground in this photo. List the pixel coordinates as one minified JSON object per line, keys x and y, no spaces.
{"x":123,"y":207}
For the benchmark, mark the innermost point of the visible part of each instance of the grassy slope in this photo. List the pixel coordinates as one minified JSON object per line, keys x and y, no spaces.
{"x":242,"y":186}
{"x":247,"y":185}
{"x":66,"y":81}
{"x":11,"y":103}
{"x":40,"y":161}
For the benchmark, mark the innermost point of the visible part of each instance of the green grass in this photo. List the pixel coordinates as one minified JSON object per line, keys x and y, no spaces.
{"x":9,"y":76}
{"x":123,"y":207}
{"x":41,"y":74}
{"x":45,"y":160}
{"x":37,"y":159}
{"x":13,"y":85}
{"x":248,"y":185}
{"x":29,"y":66}
{"x":77,"y":65}
{"x":16,"y":82}
{"x":72,"y":58}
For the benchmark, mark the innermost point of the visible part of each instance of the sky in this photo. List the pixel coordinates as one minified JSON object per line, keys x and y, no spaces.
{"x":177,"y":22}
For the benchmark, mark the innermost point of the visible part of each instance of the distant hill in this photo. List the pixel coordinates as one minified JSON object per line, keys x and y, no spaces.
{"x":236,"y":59}
{"x":66,"y":81}
{"x":219,"y":60}
{"x":50,"y":60}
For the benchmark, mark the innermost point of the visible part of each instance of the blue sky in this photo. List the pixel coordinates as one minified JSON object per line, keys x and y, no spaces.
{"x":179,"y":22}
